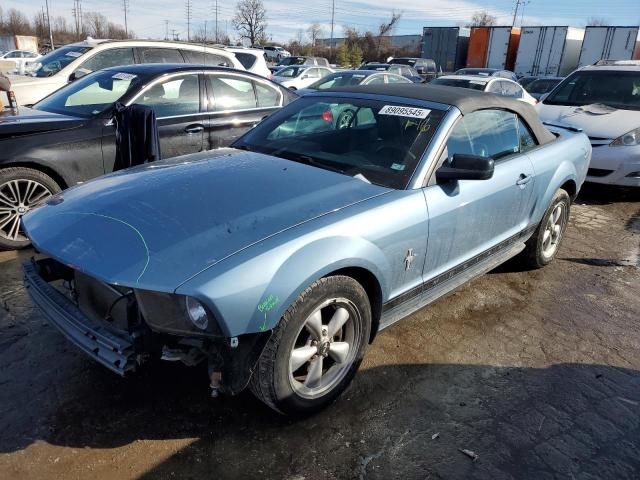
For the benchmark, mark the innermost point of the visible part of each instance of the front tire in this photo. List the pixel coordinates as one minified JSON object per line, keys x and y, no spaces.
{"x":543,"y":245}
{"x":316,"y":348}
{"x":21,"y":189}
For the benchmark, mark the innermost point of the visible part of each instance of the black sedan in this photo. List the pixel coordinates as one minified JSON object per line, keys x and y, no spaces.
{"x":69,"y":136}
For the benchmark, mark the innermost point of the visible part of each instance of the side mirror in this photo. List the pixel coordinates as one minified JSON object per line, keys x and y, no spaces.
{"x":543,"y":97}
{"x":303,"y":77}
{"x":81,"y":72}
{"x":466,"y":167}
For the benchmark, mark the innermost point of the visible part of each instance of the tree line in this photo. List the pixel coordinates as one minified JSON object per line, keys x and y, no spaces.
{"x":93,"y":24}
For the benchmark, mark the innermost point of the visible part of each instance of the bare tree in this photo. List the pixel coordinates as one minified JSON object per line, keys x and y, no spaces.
{"x":250,"y":20}
{"x":482,"y":19}
{"x":95,"y":24}
{"x":314,"y":31}
{"x":597,"y":22}
{"x":16,"y":23}
{"x":387,"y":28}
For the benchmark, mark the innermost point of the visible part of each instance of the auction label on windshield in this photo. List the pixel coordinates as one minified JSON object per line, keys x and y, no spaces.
{"x":399,"y":111}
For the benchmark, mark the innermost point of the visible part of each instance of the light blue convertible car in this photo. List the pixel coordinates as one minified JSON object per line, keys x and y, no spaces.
{"x":277,"y":261}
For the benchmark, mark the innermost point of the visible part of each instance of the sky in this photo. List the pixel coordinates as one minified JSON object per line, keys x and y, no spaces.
{"x":285,"y":18}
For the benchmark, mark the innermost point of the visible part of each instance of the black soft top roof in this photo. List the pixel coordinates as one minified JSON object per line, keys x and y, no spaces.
{"x":464,"y":99}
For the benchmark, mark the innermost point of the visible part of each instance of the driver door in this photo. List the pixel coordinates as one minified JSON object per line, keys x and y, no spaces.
{"x":470,"y":217}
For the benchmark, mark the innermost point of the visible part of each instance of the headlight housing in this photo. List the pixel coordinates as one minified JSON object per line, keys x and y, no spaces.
{"x":629,"y":139}
{"x":197,"y":313}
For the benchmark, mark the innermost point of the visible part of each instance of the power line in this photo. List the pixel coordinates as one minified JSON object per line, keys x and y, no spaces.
{"x":166,"y":29}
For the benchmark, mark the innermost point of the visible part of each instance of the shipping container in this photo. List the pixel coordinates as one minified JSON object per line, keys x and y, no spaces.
{"x":18,"y":42}
{"x":608,"y":43}
{"x":553,"y":51}
{"x":493,"y":47}
{"x":447,"y":46}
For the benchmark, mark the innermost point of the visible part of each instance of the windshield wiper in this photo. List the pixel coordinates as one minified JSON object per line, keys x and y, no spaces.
{"x":302,"y":158}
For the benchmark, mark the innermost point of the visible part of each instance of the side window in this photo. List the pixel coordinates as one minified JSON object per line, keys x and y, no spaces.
{"x":160,"y":55}
{"x":512,"y":89}
{"x":527,"y":142}
{"x":486,"y":133}
{"x":495,"y":87}
{"x":246,"y":59}
{"x":396,"y":79}
{"x":313,"y":73}
{"x":375,"y":80}
{"x":199,"y":57}
{"x":231,"y":93}
{"x":113,"y":57}
{"x":14,"y":55}
{"x":267,"y":96}
{"x":174,"y":97}
{"x":323,"y":72}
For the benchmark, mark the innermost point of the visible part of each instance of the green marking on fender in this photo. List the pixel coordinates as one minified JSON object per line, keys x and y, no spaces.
{"x":266,"y":306}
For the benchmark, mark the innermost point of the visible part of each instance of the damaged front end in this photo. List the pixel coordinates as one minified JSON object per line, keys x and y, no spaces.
{"x":121,"y":327}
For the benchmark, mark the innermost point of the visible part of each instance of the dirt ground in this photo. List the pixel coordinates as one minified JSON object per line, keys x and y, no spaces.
{"x":537,"y":372}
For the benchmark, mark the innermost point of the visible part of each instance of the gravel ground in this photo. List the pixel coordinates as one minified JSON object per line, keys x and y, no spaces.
{"x":537,"y":372}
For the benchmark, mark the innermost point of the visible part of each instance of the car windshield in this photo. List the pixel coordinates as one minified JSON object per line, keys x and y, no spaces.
{"x":617,"y":89}
{"x":474,"y":71}
{"x":92,"y":95}
{"x":374,"y":66}
{"x":542,"y":85}
{"x":292,"y":61}
{"x":55,"y":61}
{"x":290,"y":72}
{"x":338,"y":80}
{"x":460,"y":82}
{"x":404,"y":61}
{"x":380,"y":142}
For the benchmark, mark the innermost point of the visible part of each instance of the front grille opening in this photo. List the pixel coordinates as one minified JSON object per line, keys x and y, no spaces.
{"x":598,"y":172}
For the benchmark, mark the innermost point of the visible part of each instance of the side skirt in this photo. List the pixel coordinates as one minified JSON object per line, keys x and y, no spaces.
{"x":404,"y":305}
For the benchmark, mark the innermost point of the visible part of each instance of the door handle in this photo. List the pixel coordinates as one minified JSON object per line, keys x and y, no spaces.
{"x":523,"y":179}
{"x":191,"y":129}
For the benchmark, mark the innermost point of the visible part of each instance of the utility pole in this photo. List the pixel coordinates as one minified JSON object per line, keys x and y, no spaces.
{"x":174,"y":34}
{"x":216,"y":7}
{"x":519,"y":3}
{"x":125,"y":7}
{"x":333,"y":16}
{"x":49,"y":24}
{"x":166,"y":29}
{"x":189,"y":7}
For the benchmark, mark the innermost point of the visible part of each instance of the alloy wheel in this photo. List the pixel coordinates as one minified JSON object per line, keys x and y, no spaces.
{"x":553,"y":230}
{"x":17,"y":197}
{"x":324,"y":348}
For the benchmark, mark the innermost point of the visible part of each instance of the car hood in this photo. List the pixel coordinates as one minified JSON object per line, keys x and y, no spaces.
{"x":156,"y":226}
{"x":26,"y":120}
{"x":28,"y":80}
{"x":596,"y":120}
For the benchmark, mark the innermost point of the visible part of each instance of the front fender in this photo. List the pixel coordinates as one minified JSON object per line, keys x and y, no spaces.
{"x":251,"y":294}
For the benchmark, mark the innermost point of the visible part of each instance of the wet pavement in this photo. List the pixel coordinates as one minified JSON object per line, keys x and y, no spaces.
{"x":537,"y":372}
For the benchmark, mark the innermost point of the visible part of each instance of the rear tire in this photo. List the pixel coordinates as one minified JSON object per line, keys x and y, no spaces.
{"x":20,"y":190}
{"x":543,"y":245}
{"x":316,"y":348}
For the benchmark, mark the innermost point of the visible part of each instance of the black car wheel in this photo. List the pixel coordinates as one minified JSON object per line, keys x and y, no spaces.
{"x":543,"y":245}
{"x":316,"y":348}
{"x":21,"y":189}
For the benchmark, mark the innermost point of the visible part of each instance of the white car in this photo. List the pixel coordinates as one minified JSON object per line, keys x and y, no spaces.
{"x":604,"y":101}
{"x":497,"y":85}
{"x":252,"y":60}
{"x":66,"y":64}
{"x":296,"y":77}
{"x":275,"y":54}
{"x":20,"y":58}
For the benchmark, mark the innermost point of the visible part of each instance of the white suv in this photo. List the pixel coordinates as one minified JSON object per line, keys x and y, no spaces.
{"x":73,"y":61}
{"x":604,"y":101}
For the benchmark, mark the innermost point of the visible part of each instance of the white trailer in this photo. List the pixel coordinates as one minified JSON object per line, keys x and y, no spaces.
{"x":548,"y":51}
{"x":608,"y":43}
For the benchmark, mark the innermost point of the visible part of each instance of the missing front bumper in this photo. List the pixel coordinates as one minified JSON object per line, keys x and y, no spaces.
{"x":116,"y":352}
